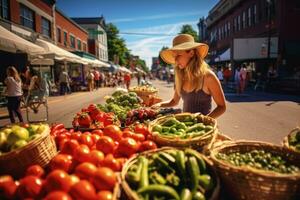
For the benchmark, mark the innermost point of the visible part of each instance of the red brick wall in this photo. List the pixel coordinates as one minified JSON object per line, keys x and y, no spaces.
{"x":66,"y":25}
{"x":14,"y":11}
{"x":43,"y":6}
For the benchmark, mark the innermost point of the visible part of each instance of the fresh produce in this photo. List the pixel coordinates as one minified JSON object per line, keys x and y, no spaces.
{"x":187,"y":127}
{"x":259,"y":159}
{"x":18,"y":136}
{"x":141,"y":115}
{"x":143,"y":88}
{"x":170,"y":174}
{"x":294,"y":139}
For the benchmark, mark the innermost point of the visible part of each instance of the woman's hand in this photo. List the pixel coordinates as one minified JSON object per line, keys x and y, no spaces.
{"x":156,"y":106}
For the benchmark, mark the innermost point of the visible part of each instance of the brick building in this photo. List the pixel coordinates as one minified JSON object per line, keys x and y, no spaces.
{"x":243,"y":31}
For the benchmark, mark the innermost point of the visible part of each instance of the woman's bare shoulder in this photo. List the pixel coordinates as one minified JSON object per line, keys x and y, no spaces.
{"x":210,"y":75}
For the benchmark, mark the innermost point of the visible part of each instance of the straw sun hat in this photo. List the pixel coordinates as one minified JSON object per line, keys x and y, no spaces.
{"x":183,"y":42}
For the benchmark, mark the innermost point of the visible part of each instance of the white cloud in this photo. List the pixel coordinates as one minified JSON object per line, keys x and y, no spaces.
{"x":153,"y":17}
{"x":148,"y":47}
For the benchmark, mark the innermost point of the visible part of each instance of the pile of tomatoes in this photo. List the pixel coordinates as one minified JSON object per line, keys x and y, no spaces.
{"x":85,"y":168}
{"x":92,"y":117}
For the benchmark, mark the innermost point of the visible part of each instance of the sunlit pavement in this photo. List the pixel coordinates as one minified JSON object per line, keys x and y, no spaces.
{"x":252,"y":115}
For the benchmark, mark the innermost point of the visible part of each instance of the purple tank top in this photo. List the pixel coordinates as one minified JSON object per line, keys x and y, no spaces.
{"x":194,"y":102}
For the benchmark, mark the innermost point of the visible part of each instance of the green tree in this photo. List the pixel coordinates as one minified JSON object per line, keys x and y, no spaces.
{"x":116,"y":46}
{"x":188,"y":29}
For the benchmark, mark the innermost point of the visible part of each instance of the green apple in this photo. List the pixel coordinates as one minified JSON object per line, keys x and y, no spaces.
{"x":19,"y":133}
{"x":19,"y":144}
{"x":34,"y":127}
{"x":3,"y":139}
{"x":42,"y":128}
{"x":33,"y":137}
{"x":7,"y":131}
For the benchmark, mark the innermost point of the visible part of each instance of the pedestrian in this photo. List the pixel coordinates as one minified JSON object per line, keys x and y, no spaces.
{"x":226,"y":75}
{"x":14,"y":94}
{"x":96,"y":79}
{"x":64,"y":82}
{"x":90,"y":80}
{"x":138,"y":77}
{"x":243,"y":76}
{"x":220,"y":74}
{"x":195,"y":83}
{"x":127,"y":79}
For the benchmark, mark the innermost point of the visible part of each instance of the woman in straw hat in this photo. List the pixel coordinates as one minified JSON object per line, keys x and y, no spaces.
{"x":195,"y":83}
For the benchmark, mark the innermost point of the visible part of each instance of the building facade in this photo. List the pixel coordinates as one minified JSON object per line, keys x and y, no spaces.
{"x":97,"y":37}
{"x":260,"y":31}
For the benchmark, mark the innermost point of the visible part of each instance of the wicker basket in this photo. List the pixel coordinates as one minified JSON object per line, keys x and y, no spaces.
{"x":286,"y":140}
{"x":250,"y":183}
{"x":196,"y":142}
{"x":38,"y":151}
{"x":130,"y":195}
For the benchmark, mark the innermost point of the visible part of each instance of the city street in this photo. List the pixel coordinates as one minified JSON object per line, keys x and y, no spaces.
{"x":252,"y":116}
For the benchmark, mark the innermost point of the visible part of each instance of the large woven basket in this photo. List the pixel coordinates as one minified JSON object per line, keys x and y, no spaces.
{"x":39,"y":151}
{"x":286,"y":140}
{"x":196,"y":142}
{"x":131,"y":195}
{"x":250,"y":183}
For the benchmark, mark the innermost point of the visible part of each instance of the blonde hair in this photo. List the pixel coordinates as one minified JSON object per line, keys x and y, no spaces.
{"x":11,"y":71}
{"x":193,"y":72}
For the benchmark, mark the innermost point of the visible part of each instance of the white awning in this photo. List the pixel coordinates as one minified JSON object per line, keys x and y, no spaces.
{"x":225,"y":56}
{"x":100,"y":63}
{"x":12,"y":43}
{"x":124,"y":69}
{"x":59,"y":53}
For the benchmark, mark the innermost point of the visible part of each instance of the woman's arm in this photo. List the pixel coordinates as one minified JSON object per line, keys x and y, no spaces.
{"x":217,"y":93}
{"x":170,"y":103}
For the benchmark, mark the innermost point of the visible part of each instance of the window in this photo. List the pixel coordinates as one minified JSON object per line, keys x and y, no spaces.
{"x":27,"y":17}
{"x":65,"y":38}
{"x":239,"y":22}
{"x":46,"y":29}
{"x":234,"y":24}
{"x":219,"y":33}
{"x":84,"y":47}
{"x":58,"y":35}
{"x":4,"y":9}
{"x":249,"y":17}
{"x":226,"y":33}
{"x":228,"y":27}
{"x":72,"y":41}
{"x":79,"y":45}
{"x":244,"y":20}
{"x":254,"y":14}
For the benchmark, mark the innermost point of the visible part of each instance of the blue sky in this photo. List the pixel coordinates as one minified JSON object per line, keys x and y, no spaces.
{"x":163,"y":18}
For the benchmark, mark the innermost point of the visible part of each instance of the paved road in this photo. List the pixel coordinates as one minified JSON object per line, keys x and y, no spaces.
{"x":252,"y":116}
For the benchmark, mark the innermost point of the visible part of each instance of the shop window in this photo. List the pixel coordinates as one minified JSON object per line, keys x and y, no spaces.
{"x":58,"y":35}
{"x":244,"y":20}
{"x":228,"y":27}
{"x":254,"y":16}
{"x":249,"y":17}
{"x":46,"y":27}
{"x":4,"y":9}
{"x":239,"y":22}
{"x":79,"y":45}
{"x":72,"y":41}
{"x":234,"y":24}
{"x":65,"y":38}
{"x":27,"y":17}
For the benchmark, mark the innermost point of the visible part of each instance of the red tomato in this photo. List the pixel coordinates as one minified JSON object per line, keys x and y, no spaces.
{"x":121,"y":161}
{"x":35,"y":170}
{"x":30,"y":187}
{"x":85,"y":170}
{"x":57,"y":127}
{"x":58,"y":180}
{"x":86,"y":139}
{"x":58,"y":195}
{"x":81,"y":153}
{"x":76,"y":135}
{"x":95,"y":138}
{"x":74,"y":179}
{"x":140,"y":128}
{"x":113,"y":131}
{"x":138,"y":137}
{"x":127,"y":133}
{"x":127,"y":147}
{"x":104,"y":179}
{"x":60,"y":138}
{"x":8,"y":186}
{"x":147,"y":145}
{"x":97,"y":132}
{"x":105,"y":144}
{"x":104,"y":195}
{"x":62,"y":143}
{"x":112,"y":163}
{"x":69,"y":147}
{"x":96,"y":157}
{"x":83,"y":190}
{"x":62,"y":161}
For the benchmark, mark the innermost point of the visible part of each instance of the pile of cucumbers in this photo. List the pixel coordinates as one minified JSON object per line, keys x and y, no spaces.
{"x":183,"y":127}
{"x":170,"y":174}
{"x":259,"y":159}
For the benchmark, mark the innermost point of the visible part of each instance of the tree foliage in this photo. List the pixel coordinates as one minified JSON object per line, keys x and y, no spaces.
{"x":188,"y":29}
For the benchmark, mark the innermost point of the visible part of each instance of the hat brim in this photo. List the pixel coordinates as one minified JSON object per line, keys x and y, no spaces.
{"x":169,"y":57}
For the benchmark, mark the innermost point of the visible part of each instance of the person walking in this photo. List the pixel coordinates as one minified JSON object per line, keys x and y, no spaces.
{"x":220,"y":74}
{"x":243,"y":76}
{"x":195,"y":83}
{"x":14,"y":94}
{"x":96,"y":79}
{"x":127,"y":79}
{"x":90,"y":80}
{"x":237,"y":80}
{"x":64,"y":82}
